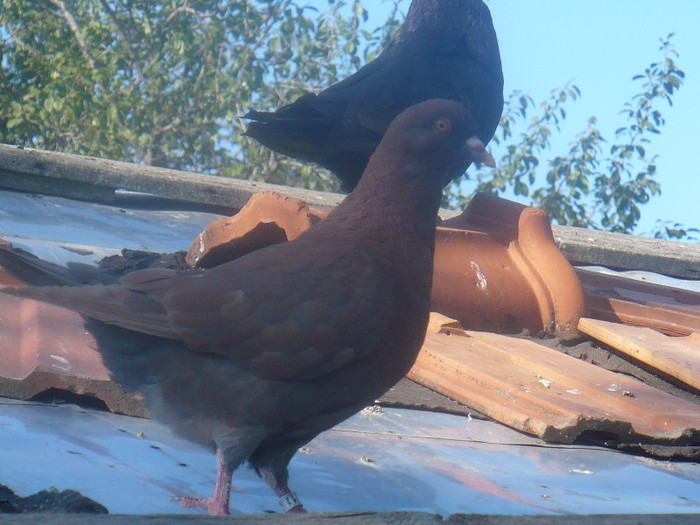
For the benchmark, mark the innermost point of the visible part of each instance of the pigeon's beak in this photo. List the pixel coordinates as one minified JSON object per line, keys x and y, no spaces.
{"x":479,"y":153}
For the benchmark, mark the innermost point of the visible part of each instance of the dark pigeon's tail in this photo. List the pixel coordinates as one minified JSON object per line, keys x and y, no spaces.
{"x":297,"y":130}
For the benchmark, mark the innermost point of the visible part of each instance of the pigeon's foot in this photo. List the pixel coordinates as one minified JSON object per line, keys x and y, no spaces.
{"x":215,"y":506}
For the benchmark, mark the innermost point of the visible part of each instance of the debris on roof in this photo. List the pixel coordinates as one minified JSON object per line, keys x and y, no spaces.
{"x":66,"y":501}
{"x":514,"y":381}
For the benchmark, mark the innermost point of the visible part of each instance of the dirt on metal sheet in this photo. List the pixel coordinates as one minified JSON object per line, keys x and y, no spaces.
{"x":51,"y":500}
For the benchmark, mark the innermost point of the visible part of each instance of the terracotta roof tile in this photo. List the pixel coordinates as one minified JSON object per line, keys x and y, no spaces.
{"x":674,"y":357}
{"x":44,"y":347}
{"x":546,"y":393}
{"x":673,"y":311}
{"x":267,"y":218}
{"x":497,"y":268}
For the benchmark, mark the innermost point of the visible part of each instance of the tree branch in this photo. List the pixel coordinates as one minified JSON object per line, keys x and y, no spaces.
{"x":120,"y":31}
{"x":75,"y":29}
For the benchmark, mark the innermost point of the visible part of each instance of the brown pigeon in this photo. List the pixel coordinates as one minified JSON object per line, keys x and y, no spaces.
{"x":257,"y":356}
{"x":444,"y":49}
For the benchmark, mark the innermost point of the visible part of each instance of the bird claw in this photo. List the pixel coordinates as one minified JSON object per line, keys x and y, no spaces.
{"x":213,"y":506}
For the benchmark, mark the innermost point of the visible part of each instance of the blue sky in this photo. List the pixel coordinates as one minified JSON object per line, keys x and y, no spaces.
{"x":599,"y":46}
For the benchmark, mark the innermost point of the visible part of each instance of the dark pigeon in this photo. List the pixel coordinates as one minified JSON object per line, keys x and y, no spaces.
{"x":257,"y":356}
{"x":444,"y":49}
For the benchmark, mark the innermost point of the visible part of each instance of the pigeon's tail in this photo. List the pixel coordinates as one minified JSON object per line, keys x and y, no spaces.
{"x":31,"y":270}
{"x":302,"y":132}
{"x":303,"y":139}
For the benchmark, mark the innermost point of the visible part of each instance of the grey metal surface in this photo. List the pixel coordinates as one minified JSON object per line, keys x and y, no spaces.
{"x":391,"y":459}
{"x":61,"y":230}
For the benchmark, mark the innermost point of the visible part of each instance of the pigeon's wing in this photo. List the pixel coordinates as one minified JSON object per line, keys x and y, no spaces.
{"x":255,"y":311}
{"x":258,"y":313}
{"x":113,"y":303}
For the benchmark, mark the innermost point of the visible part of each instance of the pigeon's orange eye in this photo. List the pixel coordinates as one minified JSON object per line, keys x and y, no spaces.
{"x":442,"y":124}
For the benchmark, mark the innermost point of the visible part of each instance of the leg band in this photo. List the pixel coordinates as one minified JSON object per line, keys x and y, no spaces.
{"x":290,"y":501}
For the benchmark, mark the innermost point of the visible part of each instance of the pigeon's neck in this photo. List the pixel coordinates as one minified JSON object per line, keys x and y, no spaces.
{"x":400,"y":195}
{"x":392,"y":213}
{"x":394,"y":220}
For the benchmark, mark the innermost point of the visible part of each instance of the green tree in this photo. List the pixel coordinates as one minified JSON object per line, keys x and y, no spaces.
{"x":597,"y":183}
{"x":165,"y":83}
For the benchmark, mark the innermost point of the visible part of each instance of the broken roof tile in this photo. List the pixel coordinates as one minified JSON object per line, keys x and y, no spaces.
{"x":675,"y":357}
{"x":267,"y":218}
{"x":673,"y":311}
{"x":45,"y":347}
{"x":546,"y":393}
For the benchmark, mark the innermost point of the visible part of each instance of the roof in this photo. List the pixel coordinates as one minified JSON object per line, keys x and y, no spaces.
{"x":437,"y":462}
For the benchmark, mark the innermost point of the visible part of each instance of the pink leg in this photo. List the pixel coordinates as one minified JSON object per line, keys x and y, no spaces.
{"x":217,"y":504}
{"x":288,"y":499}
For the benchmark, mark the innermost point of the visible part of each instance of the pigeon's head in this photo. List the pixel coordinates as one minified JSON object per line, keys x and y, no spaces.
{"x":438,"y":138}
